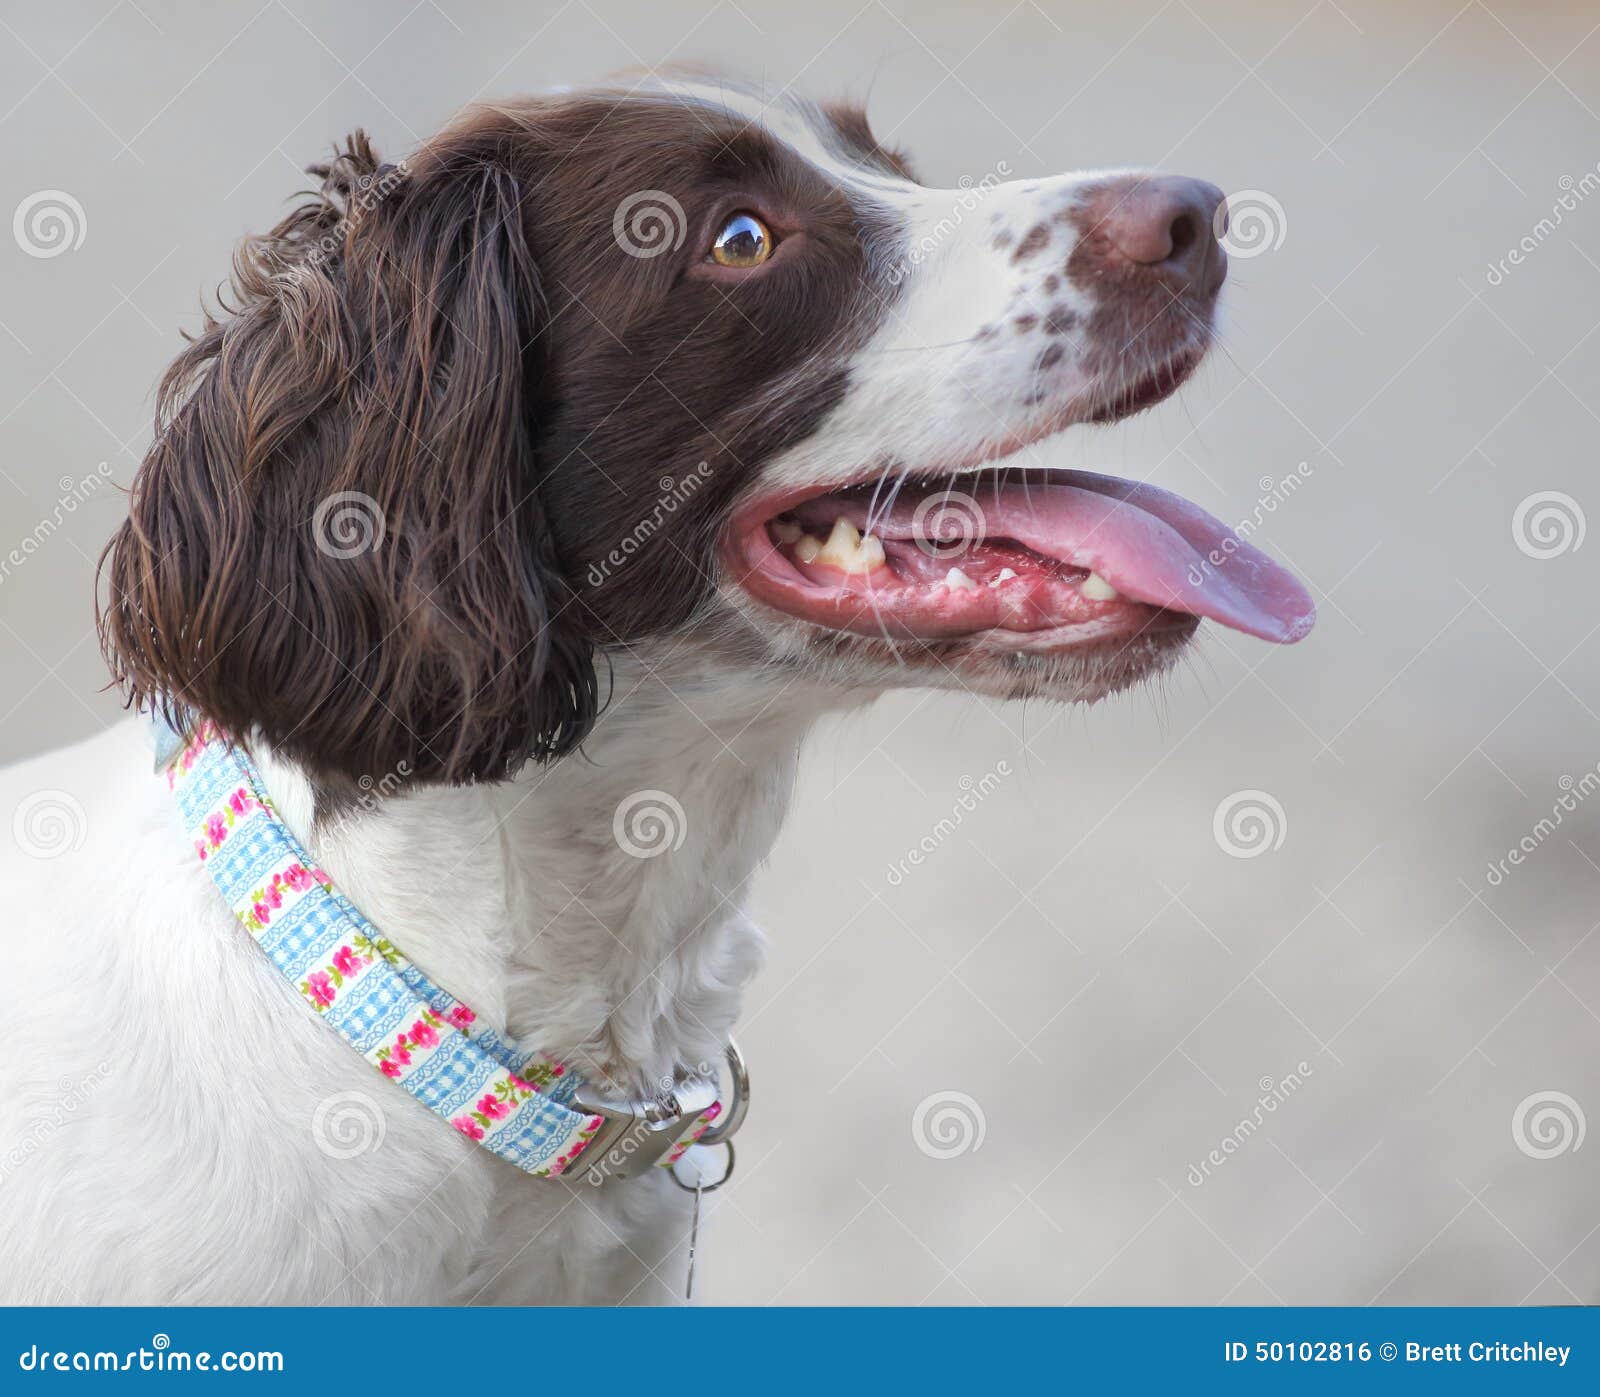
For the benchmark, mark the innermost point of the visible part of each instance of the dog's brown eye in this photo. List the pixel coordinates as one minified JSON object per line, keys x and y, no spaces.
{"x":743,"y":242}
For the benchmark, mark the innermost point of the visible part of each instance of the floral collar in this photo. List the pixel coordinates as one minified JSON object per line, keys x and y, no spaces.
{"x":526,"y":1107}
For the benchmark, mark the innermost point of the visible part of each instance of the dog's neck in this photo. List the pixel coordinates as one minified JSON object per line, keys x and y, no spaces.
{"x":618,"y":940}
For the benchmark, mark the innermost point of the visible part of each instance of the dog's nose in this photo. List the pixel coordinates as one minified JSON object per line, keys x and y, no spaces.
{"x":1166,"y":223}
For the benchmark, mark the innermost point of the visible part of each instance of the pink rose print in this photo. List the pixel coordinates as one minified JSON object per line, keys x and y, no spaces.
{"x":401,"y":1053}
{"x":461,"y":1016}
{"x":321,"y":987}
{"x":423,"y":1036}
{"x":297,"y":877}
{"x":518,"y":1083}
{"x":263,"y":915}
{"x":494,"y":1108}
{"x":468,"y":1127}
{"x":389,"y":1067}
{"x":347,"y":962}
{"x":216,"y":830}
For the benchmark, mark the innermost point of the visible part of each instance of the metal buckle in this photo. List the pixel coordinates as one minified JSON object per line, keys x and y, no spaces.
{"x":636,"y":1134}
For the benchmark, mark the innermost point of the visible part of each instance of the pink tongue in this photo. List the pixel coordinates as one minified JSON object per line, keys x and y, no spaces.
{"x":1153,"y":547}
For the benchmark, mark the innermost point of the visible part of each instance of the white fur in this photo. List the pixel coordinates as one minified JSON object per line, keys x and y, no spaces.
{"x":160,"y":1158}
{"x":161,"y":1085}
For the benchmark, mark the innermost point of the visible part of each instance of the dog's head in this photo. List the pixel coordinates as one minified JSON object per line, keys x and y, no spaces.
{"x":667,"y":365}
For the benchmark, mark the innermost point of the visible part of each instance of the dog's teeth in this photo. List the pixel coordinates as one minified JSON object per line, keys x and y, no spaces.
{"x":786,"y":532}
{"x":1096,"y":588}
{"x":958,"y":581}
{"x":840,"y":549}
{"x":808,"y":550}
{"x":1005,"y":576}
{"x":847,"y":550}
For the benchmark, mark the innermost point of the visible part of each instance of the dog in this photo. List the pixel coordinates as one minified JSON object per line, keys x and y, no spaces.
{"x":592,"y":454}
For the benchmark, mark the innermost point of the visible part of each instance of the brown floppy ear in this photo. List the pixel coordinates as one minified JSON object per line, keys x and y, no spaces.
{"x":336,"y":539}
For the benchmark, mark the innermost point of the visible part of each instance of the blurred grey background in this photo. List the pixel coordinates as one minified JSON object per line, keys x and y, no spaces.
{"x":1003,"y":1074}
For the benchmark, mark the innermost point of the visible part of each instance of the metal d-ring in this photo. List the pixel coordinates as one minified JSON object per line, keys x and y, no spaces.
{"x":733,"y":1117}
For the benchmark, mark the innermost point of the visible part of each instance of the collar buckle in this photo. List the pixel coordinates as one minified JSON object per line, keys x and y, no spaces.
{"x":636,"y":1134}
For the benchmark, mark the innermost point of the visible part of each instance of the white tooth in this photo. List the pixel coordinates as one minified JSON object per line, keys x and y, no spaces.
{"x":840,"y":549}
{"x":958,"y":581}
{"x":1005,"y":576}
{"x":870,"y":555}
{"x":808,"y":549}
{"x":786,"y":532}
{"x":1096,"y":588}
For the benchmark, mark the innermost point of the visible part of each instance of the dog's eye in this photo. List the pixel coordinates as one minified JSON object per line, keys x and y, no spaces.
{"x":743,"y":242}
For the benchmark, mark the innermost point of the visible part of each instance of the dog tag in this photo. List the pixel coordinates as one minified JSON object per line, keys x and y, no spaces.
{"x":695,"y":1171}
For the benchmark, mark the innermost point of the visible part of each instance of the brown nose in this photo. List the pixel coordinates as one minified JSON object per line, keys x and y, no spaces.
{"x":1168,"y":224}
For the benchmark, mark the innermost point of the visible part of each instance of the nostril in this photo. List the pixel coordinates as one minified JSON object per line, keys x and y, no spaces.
{"x":1183,"y":235}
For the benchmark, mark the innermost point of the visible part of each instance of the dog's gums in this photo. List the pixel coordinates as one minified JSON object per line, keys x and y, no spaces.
{"x":1083,"y":557}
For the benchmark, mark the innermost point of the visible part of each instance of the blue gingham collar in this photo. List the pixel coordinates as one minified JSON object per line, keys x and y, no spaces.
{"x":526,"y":1107}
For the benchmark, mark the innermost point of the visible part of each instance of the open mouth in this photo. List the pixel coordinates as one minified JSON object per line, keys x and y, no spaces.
{"x":1035,"y":558}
